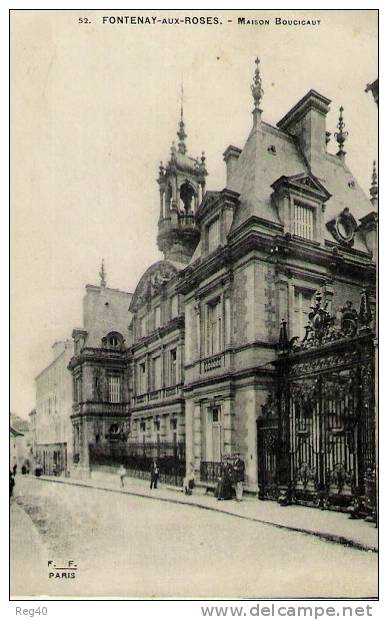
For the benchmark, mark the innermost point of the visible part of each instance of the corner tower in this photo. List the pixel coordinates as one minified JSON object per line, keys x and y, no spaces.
{"x":182,"y":188}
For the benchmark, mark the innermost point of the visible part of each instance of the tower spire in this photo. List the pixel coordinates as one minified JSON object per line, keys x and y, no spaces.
{"x":102,"y":275}
{"x":181,"y":133}
{"x":374,"y":188}
{"x":341,"y":135}
{"x":257,"y":91}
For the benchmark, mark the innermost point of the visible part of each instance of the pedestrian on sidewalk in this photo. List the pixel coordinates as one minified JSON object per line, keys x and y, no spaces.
{"x":224,"y":488}
{"x":14,"y":469}
{"x":239,"y":475}
{"x":11,"y":483}
{"x":188,"y":481}
{"x":122,"y":473}
{"x":154,"y":475}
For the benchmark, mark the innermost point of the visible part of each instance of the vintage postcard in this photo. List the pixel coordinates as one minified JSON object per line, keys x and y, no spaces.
{"x":194,"y":199}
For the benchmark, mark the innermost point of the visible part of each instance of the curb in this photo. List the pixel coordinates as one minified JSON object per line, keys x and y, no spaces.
{"x":334,"y":538}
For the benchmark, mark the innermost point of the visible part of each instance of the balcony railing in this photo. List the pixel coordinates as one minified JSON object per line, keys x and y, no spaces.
{"x":157,"y":395}
{"x":171,"y":391}
{"x":210,"y":471}
{"x":91,"y":407}
{"x":212,"y":363}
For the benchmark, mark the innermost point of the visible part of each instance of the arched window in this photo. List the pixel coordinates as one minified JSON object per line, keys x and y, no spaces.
{"x":113,"y":340}
{"x":186,"y":194}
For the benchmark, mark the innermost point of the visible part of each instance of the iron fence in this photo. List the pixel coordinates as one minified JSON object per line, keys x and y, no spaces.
{"x":137,"y":458}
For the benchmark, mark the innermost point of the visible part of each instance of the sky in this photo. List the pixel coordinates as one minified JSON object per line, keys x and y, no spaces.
{"x":94,"y":109}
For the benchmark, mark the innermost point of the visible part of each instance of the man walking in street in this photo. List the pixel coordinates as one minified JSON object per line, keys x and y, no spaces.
{"x":11,"y":483}
{"x":122,"y":473}
{"x":154,"y":475}
{"x":239,"y":476}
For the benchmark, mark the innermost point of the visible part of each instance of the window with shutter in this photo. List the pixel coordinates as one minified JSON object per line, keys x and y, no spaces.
{"x":303,"y":221}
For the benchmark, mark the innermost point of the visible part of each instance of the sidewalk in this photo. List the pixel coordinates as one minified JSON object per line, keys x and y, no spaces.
{"x":28,"y":571}
{"x":333,"y":526}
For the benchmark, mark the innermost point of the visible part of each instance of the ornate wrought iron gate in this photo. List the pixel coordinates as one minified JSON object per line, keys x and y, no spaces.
{"x":316,"y":437}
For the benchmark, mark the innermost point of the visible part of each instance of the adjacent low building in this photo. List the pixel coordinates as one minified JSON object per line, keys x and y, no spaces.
{"x":21,"y":442}
{"x":51,"y":420}
{"x":100,"y":371}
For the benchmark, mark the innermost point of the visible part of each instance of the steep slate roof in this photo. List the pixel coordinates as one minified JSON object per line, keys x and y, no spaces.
{"x":257,"y":168}
{"x":105,"y":310}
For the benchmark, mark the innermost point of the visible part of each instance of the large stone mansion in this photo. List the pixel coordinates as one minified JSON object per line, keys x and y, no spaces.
{"x":254,"y":333}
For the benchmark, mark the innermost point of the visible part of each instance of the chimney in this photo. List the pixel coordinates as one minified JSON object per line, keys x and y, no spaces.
{"x":307,"y":122}
{"x":231,"y":156}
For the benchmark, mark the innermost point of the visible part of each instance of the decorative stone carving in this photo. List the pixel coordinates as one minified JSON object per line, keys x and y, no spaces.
{"x":321,"y":328}
{"x":152,"y":283}
{"x":270,"y":407}
{"x":343,"y":227}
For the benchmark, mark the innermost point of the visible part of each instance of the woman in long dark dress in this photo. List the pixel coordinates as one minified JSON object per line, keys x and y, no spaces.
{"x":224,"y":488}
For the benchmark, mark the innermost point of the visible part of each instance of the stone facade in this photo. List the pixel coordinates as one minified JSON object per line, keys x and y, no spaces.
{"x":276,"y":246}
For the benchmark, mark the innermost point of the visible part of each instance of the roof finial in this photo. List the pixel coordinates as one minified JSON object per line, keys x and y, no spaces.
{"x":181,"y":133}
{"x":256,"y":88}
{"x":374,"y":188}
{"x":102,"y":275}
{"x":341,"y":135}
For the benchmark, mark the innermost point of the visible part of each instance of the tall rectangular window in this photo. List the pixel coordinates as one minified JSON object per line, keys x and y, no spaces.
{"x":303,"y":300}
{"x":174,"y":306}
{"x":156,"y":373}
{"x":158,"y":317}
{"x":214,"y":328}
{"x":214,"y":435}
{"x":114,"y":384}
{"x":142,"y":378}
{"x":173,"y":377}
{"x":213,"y":235}
{"x":77,"y":390}
{"x":303,"y":221}
{"x":142,"y":326}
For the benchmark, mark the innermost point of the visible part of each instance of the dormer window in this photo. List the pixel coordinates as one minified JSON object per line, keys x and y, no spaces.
{"x":114,"y":340}
{"x":213,"y":235}
{"x":300,"y":202}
